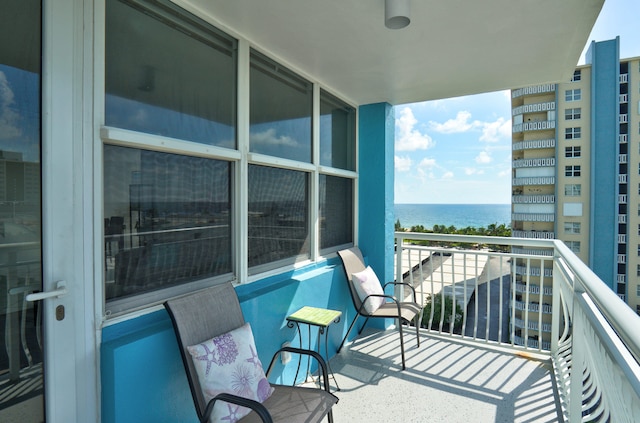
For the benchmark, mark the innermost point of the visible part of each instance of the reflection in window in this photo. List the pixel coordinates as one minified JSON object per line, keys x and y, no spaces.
{"x":337,"y":133}
{"x":166,"y":219}
{"x":336,"y":211}
{"x":278,"y":215}
{"x":176,"y":80}
{"x":280,"y":111}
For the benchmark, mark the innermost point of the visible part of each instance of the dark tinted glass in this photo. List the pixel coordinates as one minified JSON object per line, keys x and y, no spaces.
{"x":166,"y":219}
{"x":280,"y":111}
{"x":278,"y":214}
{"x":169,"y":73}
{"x":336,"y":211}
{"x":337,"y":133}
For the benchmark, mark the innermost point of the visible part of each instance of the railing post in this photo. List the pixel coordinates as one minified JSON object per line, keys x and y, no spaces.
{"x":399,"y":289}
{"x":577,"y":363}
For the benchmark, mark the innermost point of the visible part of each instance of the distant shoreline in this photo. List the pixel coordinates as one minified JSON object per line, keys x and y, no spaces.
{"x":458,"y":215}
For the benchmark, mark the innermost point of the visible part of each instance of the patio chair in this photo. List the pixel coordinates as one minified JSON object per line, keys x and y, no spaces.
{"x":214,"y":314}
{"x":374,"y":302}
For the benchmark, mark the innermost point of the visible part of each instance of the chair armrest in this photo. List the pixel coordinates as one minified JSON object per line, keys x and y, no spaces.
{"x":260,"y":409}
{"x":321,"y":362}
{"x":413,"y":290}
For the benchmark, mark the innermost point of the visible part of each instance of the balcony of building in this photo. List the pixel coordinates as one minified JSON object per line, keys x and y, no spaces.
{"x":573,"y":322}
{"x":534,"y":162}
{"x":533,"y":199}
{"x":534,"y":180}
{"x":533,"y":217}
{"x":540,"y":125}
{"x":534,"y":144}
{"x":533,"y":108}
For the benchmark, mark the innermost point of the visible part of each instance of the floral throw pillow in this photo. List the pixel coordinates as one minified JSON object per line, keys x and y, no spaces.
{"x":229,"y":363}
{"x":367,"y":283}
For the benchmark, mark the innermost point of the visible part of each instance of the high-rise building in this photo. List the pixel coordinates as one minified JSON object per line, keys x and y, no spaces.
{"x":576,"y":172}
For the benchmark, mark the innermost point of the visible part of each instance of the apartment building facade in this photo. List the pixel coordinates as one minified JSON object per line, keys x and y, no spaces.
{"x":576,"y":175}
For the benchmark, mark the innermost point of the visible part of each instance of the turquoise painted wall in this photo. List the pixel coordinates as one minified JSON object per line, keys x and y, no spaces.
{"x":143,"y":378}
{"x":603,"y":248}
{"x":375,"y":189}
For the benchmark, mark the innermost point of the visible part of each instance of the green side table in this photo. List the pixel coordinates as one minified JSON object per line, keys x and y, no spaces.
{"x":322,"y":318}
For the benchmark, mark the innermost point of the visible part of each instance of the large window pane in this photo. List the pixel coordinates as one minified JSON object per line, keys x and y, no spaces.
{"x":337,"y":133}
{"x":167,"y":220}
{"x":169,"y":73}
{"x":336,"y":211}
{"x":278,"y":215}
{"x":22,"y":354}
{"x":280,"y":111}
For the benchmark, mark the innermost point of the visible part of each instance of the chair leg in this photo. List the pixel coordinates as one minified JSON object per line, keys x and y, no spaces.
{"x":363,"y":325}
{"x":419,"y":320}
{"x":347,"y":335}
{"x":402,"y":345}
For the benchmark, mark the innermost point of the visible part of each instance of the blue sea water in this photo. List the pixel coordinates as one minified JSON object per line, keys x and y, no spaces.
{"x":458,"y":215}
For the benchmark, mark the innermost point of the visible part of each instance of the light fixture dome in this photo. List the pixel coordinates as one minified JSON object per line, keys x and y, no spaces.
{"x":396,"y":14}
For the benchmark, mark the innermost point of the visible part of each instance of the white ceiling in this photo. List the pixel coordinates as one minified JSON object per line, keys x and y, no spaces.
{"x":451,"y":48}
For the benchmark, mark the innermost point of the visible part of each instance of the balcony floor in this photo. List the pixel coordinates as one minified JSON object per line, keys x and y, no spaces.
{"x":446,"y":380}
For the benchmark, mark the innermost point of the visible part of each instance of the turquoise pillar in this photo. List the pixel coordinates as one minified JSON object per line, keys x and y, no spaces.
{"x":605,"y":71}
{"x":375,"y":187}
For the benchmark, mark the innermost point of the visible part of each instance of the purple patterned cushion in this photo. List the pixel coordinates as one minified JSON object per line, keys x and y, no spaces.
{"x":229,"y":363}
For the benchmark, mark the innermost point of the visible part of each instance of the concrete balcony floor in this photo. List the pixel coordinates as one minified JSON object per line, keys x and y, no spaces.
{"x":446,"y":380}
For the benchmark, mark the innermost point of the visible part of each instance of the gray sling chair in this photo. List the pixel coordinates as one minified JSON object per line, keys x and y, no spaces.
{"x":392,"y":308}
{"x":216,"y":311}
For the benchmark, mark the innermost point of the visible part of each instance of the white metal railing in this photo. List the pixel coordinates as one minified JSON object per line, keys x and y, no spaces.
{"x":623,"y":138}
{"x":534,"y":125}
{"x":534,"y":144}
{"x":535,"y":89}
{"x":534,"y":199}
{"x":533,"y":234}
{"x":533,"y":217}
{"x":536,"y":162}
{"x":594,"y":344}
{"x":534,"y":180}
{"x":534,"y":107}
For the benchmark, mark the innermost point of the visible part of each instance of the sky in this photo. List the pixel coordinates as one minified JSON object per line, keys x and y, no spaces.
{"x":458,"y":150}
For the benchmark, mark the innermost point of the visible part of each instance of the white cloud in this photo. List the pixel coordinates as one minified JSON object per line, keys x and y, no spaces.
{"x":495,"y":131}
{"x":504,"y":173}
{"x":427,"y":163}
{"x":473,"y":171}
{"x":447,"y":175}
{"x":459,"y":124}
{"x":9,"y":119}
{"x":483,"y":158}
{"x":269,"y":137}
{"x":407,"y":137}
{"x":403,"y":164}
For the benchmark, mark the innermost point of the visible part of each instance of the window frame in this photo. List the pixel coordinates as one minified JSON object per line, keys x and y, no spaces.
{"x":574,"y":113}
{"x":572,"y":190}
{"x":239,"y":158}
{"x":574,"y":94}
{"x":573,"y":152}
{"x":572,"y":171}
{"x":573,"y":133}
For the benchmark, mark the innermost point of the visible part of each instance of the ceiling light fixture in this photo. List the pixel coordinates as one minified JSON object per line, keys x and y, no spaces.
{"x":396,"y":13}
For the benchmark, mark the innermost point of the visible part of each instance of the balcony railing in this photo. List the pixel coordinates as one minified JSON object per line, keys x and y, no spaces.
{"x":533,"y":108}
{"x":533,"y":217}
{"x":534,"y":199}
{"x":534,"y":126}
{"x":534,"y":144}
{"x":536,"y":162}
{"x":594,"y":344}
{"x":534,"y":180}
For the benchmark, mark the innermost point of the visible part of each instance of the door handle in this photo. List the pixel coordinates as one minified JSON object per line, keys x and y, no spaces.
{"x":61,"y":289}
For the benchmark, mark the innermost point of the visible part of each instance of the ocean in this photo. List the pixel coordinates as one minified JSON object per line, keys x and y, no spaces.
{"x":458,"y":215}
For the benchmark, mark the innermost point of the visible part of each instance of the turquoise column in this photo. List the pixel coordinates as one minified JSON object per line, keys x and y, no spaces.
{"x":605,"y":71}
{"x":375,"y":187}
